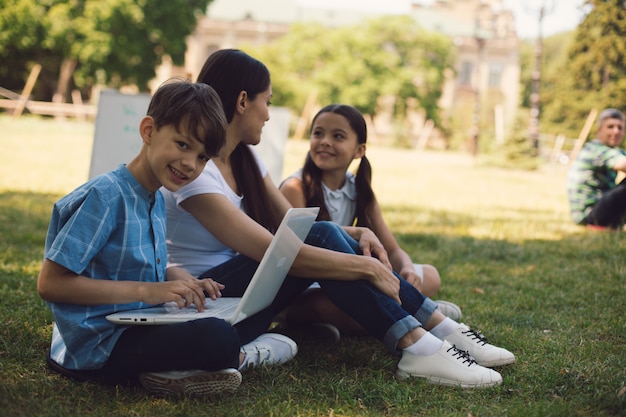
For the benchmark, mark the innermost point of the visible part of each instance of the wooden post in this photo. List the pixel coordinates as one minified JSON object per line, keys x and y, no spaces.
{"x":77,"y":99}
{"x":578,"y":145}
{"x":558,"y":146}
{"x":371,"y":130}
{"x":306,"y":115}
{"x":28,"y":88}
{"x":424,"y":135}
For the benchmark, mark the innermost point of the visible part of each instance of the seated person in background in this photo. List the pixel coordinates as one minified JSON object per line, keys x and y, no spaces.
{"x":594,"y":196}
{"x":339,"y":136}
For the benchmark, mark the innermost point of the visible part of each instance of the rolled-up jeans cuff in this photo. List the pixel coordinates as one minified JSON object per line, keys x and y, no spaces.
{"x":398,"y":330}
{"x":426,"y":310}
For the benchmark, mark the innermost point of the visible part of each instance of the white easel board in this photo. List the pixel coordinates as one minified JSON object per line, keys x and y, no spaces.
{"x":117,"y":140}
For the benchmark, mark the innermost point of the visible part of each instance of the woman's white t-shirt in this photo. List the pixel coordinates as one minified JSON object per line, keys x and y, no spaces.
{"x":189,"y":244}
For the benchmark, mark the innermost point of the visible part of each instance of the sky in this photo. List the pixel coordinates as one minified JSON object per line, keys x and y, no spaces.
{"x":560,"y":16}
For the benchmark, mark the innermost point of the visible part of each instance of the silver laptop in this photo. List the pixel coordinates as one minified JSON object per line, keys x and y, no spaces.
{"x":261,"y":291}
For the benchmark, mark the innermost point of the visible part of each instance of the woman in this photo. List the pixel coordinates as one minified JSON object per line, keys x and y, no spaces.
{"x":221,"y":224}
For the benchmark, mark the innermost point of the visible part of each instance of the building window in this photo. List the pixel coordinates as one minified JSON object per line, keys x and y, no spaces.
{"x":465,"y":75}
{"x":495,"y":75}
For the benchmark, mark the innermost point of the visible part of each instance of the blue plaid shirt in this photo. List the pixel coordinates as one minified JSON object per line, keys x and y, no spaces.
{"x":110,"y":228}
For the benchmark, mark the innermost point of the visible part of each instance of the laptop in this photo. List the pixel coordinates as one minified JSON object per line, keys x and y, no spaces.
{"x":259,"y":294}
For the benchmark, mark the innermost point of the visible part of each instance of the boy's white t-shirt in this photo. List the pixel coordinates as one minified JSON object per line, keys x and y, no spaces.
{"x":189,"y":244}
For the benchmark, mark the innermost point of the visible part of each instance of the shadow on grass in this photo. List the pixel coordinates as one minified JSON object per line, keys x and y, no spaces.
{"x":558,"y":304}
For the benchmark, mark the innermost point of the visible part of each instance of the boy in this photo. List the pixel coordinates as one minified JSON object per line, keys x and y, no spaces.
{"x":105,"y":251}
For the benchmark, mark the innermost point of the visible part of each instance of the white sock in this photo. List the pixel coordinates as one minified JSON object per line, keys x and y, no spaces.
{"x":244,"y":363}
{"x":426,"y":345}
{"x":446,"y":327}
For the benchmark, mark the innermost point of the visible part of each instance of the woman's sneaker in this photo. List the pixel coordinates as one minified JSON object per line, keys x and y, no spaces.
{"x":477,"y":346}
{"x":449,"y":310}
{"x":199,"y":383}
{"x":268,"y":349}
{"x":449,"y":366}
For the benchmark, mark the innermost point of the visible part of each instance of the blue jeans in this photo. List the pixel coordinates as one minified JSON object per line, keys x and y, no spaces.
{"x":380,"y":315}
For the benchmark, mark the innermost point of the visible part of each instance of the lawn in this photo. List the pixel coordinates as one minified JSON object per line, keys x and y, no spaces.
{"x":549,"y":291}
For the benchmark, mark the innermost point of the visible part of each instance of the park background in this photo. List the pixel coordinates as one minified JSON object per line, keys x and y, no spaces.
{"x":494,"y":222}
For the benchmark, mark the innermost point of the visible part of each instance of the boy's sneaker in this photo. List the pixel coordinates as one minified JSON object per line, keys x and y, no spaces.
{"x":449,"y":366}
{"x":191,"y":382}
{"x":449,"y":310}
{"x":268,"y":349}
{"x":477,"y":346}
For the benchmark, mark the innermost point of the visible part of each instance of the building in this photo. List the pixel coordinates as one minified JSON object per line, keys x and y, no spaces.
{"x":483,"y":92}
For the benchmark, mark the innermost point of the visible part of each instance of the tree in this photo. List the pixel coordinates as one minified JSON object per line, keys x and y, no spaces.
{"x":358,"y":64}
{"x":594,"y":75}
{"x":114,"y":42}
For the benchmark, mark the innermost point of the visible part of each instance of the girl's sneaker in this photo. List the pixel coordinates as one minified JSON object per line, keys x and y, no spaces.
{"x":449,"y":366}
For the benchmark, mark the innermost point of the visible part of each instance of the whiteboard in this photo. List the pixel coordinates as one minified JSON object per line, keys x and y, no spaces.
{"x":117,"y":140}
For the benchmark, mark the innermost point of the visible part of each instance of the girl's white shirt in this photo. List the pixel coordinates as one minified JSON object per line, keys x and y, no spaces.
{"x":189,"y":244}
{"x":341,"y":203}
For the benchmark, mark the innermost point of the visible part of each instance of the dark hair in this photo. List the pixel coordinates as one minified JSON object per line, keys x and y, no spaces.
{"x":312,"y":175}
{"x":229,"y":72}
{"x":196,"y":105}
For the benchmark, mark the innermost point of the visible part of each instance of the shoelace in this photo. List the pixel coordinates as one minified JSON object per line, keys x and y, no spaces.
{"x":463,"y":355}
{"x":256,"y":355}
{"x":475,"y":335}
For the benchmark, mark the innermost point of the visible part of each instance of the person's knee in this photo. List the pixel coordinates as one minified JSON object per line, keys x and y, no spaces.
{"x":216,"y":337}
{"x":432,"y":281}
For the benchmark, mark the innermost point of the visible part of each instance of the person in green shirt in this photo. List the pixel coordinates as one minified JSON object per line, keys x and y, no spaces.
{"x":594,"y":195}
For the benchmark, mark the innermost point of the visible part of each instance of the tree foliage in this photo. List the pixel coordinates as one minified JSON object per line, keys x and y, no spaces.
{"x":113,"y":42}
{"x":358,"y":64}
{"x":593,"y":74}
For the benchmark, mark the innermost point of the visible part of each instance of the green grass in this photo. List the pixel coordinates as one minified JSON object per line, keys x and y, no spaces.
{"x":552,"y":293}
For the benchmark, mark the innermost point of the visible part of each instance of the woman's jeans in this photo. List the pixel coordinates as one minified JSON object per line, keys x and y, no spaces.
{"x":379,"y":314}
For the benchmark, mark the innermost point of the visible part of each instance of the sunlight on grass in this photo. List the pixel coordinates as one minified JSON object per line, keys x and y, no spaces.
{"x":44,"y":155}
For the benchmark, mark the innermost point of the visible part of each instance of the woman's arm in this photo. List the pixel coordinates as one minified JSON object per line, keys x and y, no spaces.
{"x":241,"y":233}
{"x":369,"y":243}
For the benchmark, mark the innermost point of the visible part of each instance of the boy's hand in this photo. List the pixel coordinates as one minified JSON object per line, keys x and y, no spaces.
{"x":211,"y":289}
{"x":182,"y":292}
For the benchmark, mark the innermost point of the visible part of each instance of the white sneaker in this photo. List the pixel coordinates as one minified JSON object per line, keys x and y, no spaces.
{"x":449,"y":310}
{"x":449,"y":366}
{"x":268,"y":349}
{"x":191,"y":382}
{"x":477,"y":346}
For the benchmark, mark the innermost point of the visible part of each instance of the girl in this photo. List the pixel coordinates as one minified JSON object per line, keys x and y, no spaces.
{"x":220,"y":225}
{"x":338,"y":136}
